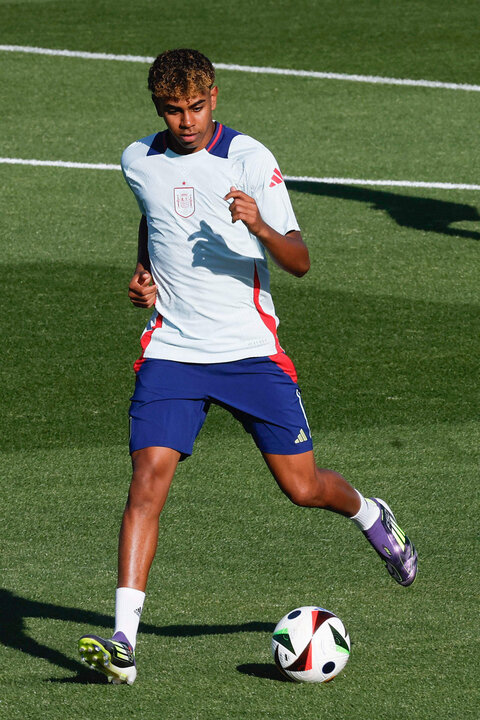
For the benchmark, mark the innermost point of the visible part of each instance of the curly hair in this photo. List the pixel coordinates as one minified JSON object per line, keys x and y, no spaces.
{"x":180,"y":73}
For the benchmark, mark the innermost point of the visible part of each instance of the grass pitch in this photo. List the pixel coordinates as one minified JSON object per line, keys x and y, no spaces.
{"x":383,"y":330}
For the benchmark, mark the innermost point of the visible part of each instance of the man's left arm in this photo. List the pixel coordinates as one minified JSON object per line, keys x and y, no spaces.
{"x":289,"y":251}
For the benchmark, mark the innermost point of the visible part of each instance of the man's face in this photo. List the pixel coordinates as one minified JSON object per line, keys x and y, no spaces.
{"x":189,"y":120}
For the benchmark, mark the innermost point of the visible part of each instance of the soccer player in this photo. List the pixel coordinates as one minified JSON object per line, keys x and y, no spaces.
{"x":213,"y":207}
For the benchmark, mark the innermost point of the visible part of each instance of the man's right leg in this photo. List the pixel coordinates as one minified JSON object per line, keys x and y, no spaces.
{"x":153,"y":471}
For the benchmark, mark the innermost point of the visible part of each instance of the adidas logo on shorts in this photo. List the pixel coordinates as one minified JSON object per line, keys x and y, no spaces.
{"x":301,"y":437}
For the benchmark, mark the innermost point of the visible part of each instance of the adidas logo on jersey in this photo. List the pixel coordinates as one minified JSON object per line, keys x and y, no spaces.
{"x":277,"y":178}
{"x":301,"y":437}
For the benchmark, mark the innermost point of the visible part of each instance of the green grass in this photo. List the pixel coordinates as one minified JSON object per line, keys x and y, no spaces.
{"x":425,"y":39}
{"x":383,"y":330}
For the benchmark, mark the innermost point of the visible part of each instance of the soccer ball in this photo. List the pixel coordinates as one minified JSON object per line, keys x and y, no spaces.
{"x":310,"y":644}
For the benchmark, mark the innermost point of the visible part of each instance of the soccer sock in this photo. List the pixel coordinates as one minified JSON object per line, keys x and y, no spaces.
{"x":367,"y":515}
{"x":128,"y":609}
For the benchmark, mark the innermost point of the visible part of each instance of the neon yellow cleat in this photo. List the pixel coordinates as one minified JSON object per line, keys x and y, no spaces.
{"x":113,"y":657}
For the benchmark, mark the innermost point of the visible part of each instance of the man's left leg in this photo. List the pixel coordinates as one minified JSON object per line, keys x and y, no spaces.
{"x":307,"y":485}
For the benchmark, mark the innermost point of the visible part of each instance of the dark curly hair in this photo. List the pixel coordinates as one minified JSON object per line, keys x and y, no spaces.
{"x":180,"y":73}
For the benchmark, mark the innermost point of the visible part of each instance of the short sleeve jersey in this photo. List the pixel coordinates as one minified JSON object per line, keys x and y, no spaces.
{"x":213,"y":290}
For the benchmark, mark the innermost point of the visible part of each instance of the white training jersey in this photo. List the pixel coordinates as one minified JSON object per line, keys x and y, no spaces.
{"x":213,"y":299}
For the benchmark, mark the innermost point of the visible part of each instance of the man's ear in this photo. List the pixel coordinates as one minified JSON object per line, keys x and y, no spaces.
{"x":158,"y":105}
{"x":214,"y":95}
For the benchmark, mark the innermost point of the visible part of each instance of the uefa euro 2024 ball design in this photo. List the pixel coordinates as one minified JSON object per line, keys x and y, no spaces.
{"x":310,"y":644}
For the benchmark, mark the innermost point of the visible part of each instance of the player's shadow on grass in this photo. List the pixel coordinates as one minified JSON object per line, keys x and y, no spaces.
{"x":15,"y":609}
{"x":413,"y":212}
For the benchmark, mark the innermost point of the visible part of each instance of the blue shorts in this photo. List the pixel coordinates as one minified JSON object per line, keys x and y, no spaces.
{"x":172,"y":399}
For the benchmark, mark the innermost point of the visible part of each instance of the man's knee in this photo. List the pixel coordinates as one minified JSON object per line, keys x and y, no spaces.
{"x":145,"y":480}
{"x":305,"y":492}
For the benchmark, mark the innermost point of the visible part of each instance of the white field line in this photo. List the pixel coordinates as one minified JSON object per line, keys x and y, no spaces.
{"x":59,"y":163}
{"x":250,"y":69}
{"x":293,"y":178}
{"x":383,"y":183}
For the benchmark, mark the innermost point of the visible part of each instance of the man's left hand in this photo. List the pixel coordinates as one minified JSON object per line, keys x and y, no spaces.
{"x":245,"y":208}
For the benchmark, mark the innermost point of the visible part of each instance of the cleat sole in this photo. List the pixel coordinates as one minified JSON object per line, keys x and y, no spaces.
{"x":99,"y":658}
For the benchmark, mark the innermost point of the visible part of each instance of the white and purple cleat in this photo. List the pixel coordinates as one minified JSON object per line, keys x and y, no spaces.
{"x":393,"y":546}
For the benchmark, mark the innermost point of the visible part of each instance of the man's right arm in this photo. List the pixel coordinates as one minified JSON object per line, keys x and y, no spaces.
{"x":140,"y":291}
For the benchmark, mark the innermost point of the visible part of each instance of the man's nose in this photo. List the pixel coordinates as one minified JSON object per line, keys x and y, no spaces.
{"x":187,"y":119}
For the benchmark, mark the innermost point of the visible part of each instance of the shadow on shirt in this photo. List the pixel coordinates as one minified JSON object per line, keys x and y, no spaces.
{"x":211,"y":251}
{"x":417,"y":213}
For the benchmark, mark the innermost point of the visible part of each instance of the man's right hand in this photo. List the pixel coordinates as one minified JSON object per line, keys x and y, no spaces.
{"x":141,"y":293}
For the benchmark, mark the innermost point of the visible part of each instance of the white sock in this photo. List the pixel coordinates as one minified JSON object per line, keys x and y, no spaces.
{"x":128,"y":609}
{"x":368,"y":513}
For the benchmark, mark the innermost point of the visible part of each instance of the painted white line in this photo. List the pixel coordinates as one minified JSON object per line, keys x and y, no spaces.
{"x":292,"y":178}
{"x":375,"y":79}
{"x":59,"y":163}
{"x":75,"y":54}
{"x":384,"y":183}
{"x":378,"y":80}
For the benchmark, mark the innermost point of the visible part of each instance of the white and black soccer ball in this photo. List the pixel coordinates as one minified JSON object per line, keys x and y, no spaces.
{"x":310,"y":644}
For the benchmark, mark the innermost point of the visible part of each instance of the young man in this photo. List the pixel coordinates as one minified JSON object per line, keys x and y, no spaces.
{"x":214,"y":206}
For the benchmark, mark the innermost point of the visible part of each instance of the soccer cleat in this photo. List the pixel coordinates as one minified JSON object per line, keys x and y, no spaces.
{"x":113,"y":657}
{"x":393,"y":546}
